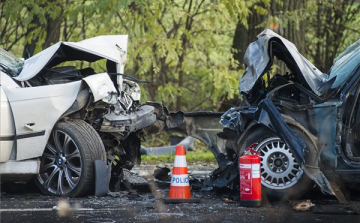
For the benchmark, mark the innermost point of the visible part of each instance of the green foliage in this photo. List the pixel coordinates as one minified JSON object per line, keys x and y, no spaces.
{"x":192,"y":157}
{"x":332,"y":26}
{"x":182,"y":40}
{"x":200,"y":153}
{"x":183,"y":47}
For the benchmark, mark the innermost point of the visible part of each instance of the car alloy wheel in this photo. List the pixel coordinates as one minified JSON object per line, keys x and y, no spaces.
{"x":279,"y":169}
{"x":61,"y":164}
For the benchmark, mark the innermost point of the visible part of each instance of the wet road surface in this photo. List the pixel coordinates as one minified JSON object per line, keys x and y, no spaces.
{"x":19,"y":203}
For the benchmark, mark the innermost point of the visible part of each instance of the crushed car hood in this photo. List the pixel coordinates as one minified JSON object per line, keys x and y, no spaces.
{"x":259,"y":58}
{"x":112,"y":48}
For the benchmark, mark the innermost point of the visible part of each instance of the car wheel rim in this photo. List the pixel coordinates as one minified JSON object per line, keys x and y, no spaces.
{"x":61,"y":164}
{"x":279,"y":169}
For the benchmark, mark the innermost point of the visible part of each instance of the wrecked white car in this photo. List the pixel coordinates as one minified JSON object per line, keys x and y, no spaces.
{"x":56,"y":120}
{"x":306,"y":122}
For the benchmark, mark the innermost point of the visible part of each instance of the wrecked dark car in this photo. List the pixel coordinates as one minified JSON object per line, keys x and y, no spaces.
{"x":306,"y":122}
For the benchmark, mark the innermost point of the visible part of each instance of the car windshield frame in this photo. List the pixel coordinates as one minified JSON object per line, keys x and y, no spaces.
{"x":10,"y":64}
{"x":345,"y":65}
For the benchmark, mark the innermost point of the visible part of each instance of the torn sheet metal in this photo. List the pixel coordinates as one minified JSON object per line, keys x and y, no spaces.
{"x":112,"y":48}
{"x":268,"y":115}
{"x":259,"y":56}
{"x":102,"y":88}
{"x":132,"y":180}
{"x":223,"y":176}
{"x":201,"y":125}
{"x":187,"y":142}
{"x":132,"y":122}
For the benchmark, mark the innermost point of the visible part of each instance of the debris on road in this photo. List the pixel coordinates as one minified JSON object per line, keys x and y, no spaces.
{"x":102,"y":178}
{"x":187,"y":142}
{"x":133,"y":181}
{"x":303,"y":205}
{"x":162,"y":173}
{"x":228,"y":200}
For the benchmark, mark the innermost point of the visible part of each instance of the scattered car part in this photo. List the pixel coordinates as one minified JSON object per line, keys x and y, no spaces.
{"x":187,"y":142}
{"x":132,"y":180}
{"x":162,"y":173}
{"x":102,"y":177}
{"x":303,"y":205}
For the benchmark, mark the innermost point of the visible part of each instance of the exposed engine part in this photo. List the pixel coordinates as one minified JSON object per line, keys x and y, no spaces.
{"x":132,"y":89}
{"x":132,"y":122}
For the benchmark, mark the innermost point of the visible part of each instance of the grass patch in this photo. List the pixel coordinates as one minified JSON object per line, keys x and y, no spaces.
{"x":192,"y":157}
{"x":199,"y":154}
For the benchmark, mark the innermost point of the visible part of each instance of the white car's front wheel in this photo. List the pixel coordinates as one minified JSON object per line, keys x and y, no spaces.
{"x":67,"y":165}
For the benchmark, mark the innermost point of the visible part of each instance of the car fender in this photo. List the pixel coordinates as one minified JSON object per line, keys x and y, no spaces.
{"x":102,"y":87}
{"x":7,"y":129}
{"x":35,"y":111}
{"x":280,"y":124}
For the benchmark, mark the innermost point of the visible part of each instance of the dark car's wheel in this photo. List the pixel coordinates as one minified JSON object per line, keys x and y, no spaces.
{"x":281,"y":176}
{"x":67,"y":165}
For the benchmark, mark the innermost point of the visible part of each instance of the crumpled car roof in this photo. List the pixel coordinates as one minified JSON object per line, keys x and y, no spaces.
{"x":258,"y":58}
{"x":111,"y":47}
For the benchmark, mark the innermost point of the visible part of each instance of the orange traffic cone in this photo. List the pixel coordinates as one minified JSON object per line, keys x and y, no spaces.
{"x":180,"y":188}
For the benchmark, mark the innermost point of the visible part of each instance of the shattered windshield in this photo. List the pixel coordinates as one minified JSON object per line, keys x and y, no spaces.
{"x":9,"y":64}
{"x":345,"y":64}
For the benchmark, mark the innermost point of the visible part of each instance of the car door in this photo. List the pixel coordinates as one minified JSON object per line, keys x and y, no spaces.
{"x":7,"y":130}
{"x":351,"y":118}
{"x":35,"y":111}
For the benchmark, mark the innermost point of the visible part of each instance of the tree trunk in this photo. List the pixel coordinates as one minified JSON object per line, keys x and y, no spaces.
{"x":243,"y":37}
{"x":330,"y":30}
{"x":51,"y":29}
{"x":29,"y":48}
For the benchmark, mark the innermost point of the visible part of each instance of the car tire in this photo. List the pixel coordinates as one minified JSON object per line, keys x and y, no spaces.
{"x":67,"y":165}
{"x":281,"y":176}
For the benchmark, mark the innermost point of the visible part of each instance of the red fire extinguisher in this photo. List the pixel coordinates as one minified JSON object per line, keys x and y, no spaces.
{"x":250,"y":179}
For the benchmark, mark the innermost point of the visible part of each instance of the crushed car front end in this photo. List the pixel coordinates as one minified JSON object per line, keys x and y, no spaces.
{"x":74,"y":115}
{"x":295,"y":117}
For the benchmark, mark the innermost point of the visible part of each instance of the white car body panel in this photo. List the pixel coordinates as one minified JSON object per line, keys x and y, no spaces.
{"x":112,"y":48}
{"x":7,"y":130}
{"x":6,"y":80}
{"x":26,"y":167}
{"x":100,"y":85}
{"x":36,"y":110}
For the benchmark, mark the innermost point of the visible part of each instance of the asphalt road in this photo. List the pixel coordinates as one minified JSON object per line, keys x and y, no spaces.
{"x":21,"y":204}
